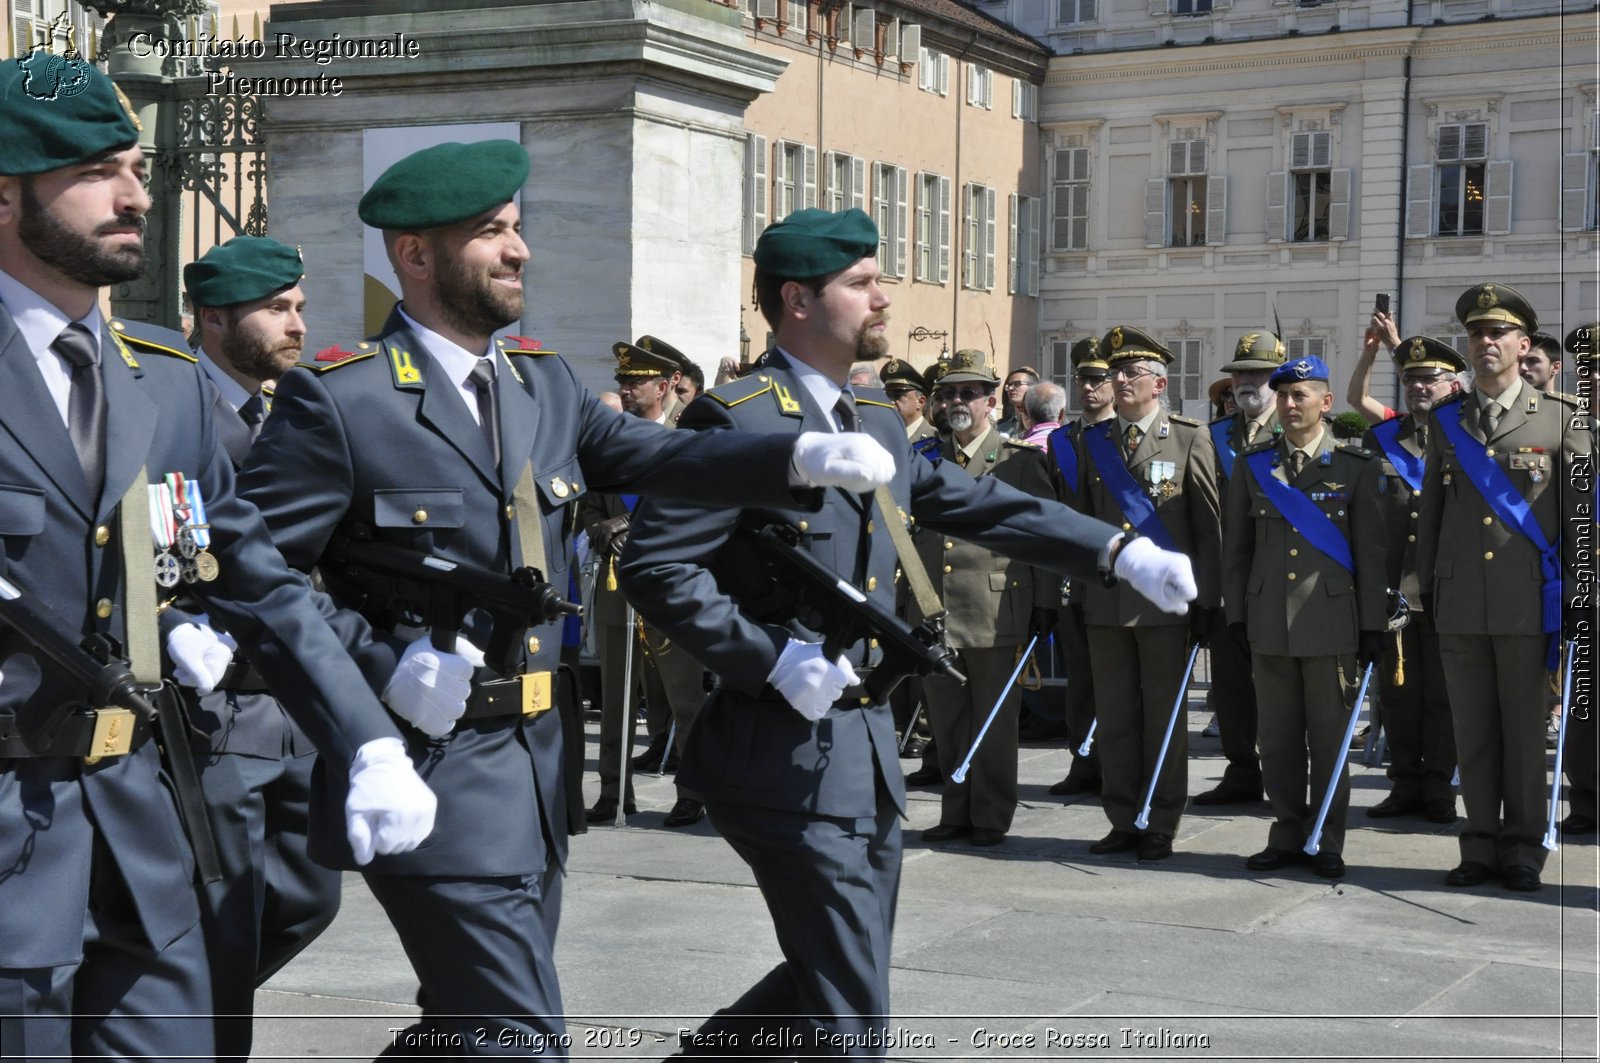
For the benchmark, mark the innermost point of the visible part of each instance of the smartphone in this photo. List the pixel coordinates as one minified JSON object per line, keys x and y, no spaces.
{"x":1381,"y":305}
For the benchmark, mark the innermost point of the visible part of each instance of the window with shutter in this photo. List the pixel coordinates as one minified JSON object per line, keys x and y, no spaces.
{"x":889,"y":189}
{"x":1024,"y":235}
{"x":1306,"y":347}
{"x":1069,"y":213}
{"x":846,"y":175}
{"x":794,"y":178}
{"x":1073,"y":12}
{"x":926,"y":266}
{"x":798,"y":15}
{"x":1310,"y":193}
{"x":1191,"y":7}
{"x":1461,"y":180}
{"x":980,"y":86}
{"x":1184,"y":393}
{"x":755,"y":189}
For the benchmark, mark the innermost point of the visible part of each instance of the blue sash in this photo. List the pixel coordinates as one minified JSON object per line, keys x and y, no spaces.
{"x":1135,"y":504}
{"x":630,"y":502}
{"x":1224,"y":447}
{"x":1302,"y":513}
{"x":928,"y":447}
{"x":1059,"y":443}
{"x":1507,"y":503}
{"x":1407,"y":464}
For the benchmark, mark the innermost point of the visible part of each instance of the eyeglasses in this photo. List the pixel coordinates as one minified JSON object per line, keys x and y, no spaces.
{"x":1012,"y":385}
{"x":1423,"y":381}
{"x":1092,"y":381}
{"x":1130,"y":372}
{"x":963,"y":395}
{"x":900,"y":393}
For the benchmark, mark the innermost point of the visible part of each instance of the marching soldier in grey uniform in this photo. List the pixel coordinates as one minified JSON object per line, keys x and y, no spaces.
{"x":1255,"y":357}
{"x":101,"y":953}
{"x":1305,"y":587}
{"x":273,"y":899}
{"x":1153,"y":472}
{"x":1416,"y":709}
{"x":675,"y":681}
{"x":798,"y":767}
{"x":993,"y":604}
{"x":1581,"y":761}
{"x":1091,"y":375}
{"x":436,"y":438}
{"x":1491,"y":557}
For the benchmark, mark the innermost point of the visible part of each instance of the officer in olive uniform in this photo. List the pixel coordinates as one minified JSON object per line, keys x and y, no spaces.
{"x":1091,"y":375}
{"x":1153,"y":472}
{"x":908,"y":390}
{"x":436,"y":438}
{"x":1416,"y":708}
{"x":798,"y":769}
{"x":993,"y":605}
{"x":1305,"y":584}
{"x":1255,"y":357}
{"x":1583,"y":748}
{"x":1491,"y":555}
{"x":675,"y":681}
{"x":274,"y":899}
{"x":101,"y":954}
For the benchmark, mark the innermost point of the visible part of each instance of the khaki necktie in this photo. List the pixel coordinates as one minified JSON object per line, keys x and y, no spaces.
{"x":1491,"y":419}
{"x":1250,"y":431}
{"x":1297,"y":463}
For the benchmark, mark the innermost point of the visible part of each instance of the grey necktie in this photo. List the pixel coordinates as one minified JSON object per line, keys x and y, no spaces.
{"x":1422,"y":436}
{"x":845,"y":408}
{"x":482,"y":378}
{"x":86,"y":407}
{"x":253,"y":413}
{"x":1491,"y":419}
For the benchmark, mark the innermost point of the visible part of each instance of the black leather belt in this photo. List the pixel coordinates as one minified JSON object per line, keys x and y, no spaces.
{"x":241,"y":676}
{"x":523,"y":695}
{"x":90,"y":733}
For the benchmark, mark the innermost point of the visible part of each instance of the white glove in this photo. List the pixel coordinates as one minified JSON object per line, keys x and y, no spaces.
{"x":853,"y":461}
{"x":389,"y":808}
{"x":809,"y":681}
{"x":1164,"y":576}
{"x":429,"y":688}
{"x":200,"y":654}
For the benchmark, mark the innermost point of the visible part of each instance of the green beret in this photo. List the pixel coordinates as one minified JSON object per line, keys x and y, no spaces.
{"x":901,"y":373}
{"x":242,"y":270}
{"x":1256,"y":350}
{"x":812,"y":242}
{"x":648,"y":357}
{"x":57,"y":111}
{"x":445,"y":184}
{"x":1499,"y":303}
{"x":1424,"y":352}
{"x":967,"y":366}
{"x":1126,"y":343}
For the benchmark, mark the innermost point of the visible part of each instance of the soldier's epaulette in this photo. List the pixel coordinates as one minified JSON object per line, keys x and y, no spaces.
{"x":335,"y":356}
{"x":522,"y":345}
{"x":1190,"y":421}
{"x":741,"y":390}
{"x":1260,"y":444}
{"x":1021,"y":444}
{"x":1566,"y":397}
{"x":146,"y":344}
{"x":871,"y":397}
{"x":1356,"y":449}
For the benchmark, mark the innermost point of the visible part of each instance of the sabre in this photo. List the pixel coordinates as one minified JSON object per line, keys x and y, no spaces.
{"x":960,"y":774}
{"x":1088,"y":739}
{"x":625,"y":739}
{"x":905,"y":737}
{"x":666,"y":754}
{"x":1561,"y":748}
{"x":1314,"y":842}
{"x":1143,"y":819}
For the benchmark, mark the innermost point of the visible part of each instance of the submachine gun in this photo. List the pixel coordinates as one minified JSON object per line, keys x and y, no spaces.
{"x":441,"y":592}
{"x":848,"y":616}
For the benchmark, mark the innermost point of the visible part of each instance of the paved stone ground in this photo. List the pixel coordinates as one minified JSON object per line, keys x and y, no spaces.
{"x":1012,"y":952}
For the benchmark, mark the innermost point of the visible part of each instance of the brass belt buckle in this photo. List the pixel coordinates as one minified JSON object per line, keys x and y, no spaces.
{"x":535,"y":693}
{"x":113,"y":735}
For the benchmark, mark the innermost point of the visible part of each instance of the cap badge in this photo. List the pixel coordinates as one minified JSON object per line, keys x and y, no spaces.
{"x":1487,"y":298}
{"x":1302,"y":369}
{"x":1116,"y":338}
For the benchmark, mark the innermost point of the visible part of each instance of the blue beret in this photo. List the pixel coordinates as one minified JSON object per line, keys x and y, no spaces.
{"x":812,"y":242}
{"x":1308,"y":368}
{"x":58,"y":110}
{"x":242,"y":270}
{"x":445,"y":184}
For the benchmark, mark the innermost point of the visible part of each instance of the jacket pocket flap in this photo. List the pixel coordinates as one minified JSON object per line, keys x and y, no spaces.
{"x":418,"y":507}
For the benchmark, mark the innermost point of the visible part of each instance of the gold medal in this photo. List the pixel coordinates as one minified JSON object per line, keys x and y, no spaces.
{"x":206,"y":566}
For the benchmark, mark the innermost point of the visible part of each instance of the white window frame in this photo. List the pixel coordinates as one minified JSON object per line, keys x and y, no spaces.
{"x":1023,"y":274}
{"x":932,"y":243}
{"x":980,"y":86}
{"x":933,"y":72}
{"x":1185,"y":392}
{"x":1024,"y":100}
{"x":889,"y":193}
{"x":1190,"y":8}
{"x":977,"y":252}
{"x":797,"y":16}
{"x":1298,"y":347}
{"x":1076,"y":12}
{"x":794,"y":178}
{"x":846,"y":181}
{"x":1070,"y":192}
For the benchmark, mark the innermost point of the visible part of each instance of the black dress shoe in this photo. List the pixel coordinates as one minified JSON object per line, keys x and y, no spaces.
{"x":685,"y":813}
{"x":929,"y":776}
{"x":987,"y":836}
{"x":946,"y":832}
{"x":1578,"y":823}
{"x":1471,"y":873}
{"x":650,"y":759}
{"x":605,"y":810}
{"x":1395,"y":805}
{"x":1271,"y":859}
{"x":1228,"y":794}
{"x":914,"y":749}
{"x":1155,"y":846}
{"x":1442,"y":810}
{"x":1522,"y":879}
{"x":1075,"y":785}
{"x":1118,"y":841}
{"x":1327,"y":865}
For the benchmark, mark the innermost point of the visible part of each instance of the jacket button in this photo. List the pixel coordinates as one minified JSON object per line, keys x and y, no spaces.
{"x":1489,"y":451}
{"x":1411,"y":538}
{"x":1488,"y":555}
{"x":102,"y":608}
{"x":1415,"y":515}
{"x":805,"y":526}
{"x":1292,"y":575}
{"x":419,"y":517}
{"x":948,"y":545}
{"x":871,"y":527}
{"x":1126,"y":526}
{"x":511,"y":512}
{"x":1487,"y":521}
{"x":533,"y":644}
{"x":872,"y":644}
{"x":1294,"y":552}
{"x":947,"y":568}
{"x":872,"y":583}
{"x":102,"y":535}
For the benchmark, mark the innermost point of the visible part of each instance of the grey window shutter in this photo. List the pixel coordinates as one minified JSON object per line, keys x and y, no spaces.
{"x":1013,"y":281}
{"x":1339,"y":205}
{"x":1034,"y":210}
{"x":809,"y":199}
{"x":858,"y":183}
{"x":1575,"y":192}
{"x":1277,"y":211}
{"x":898,"y":209}
{"x":944,"y":230}
{"x":1155,"y":212}
{"x":1497,"y":197}
{"x":1419,"y":200}
{"x":1216,"y":210}
{"x":988,"y":239}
